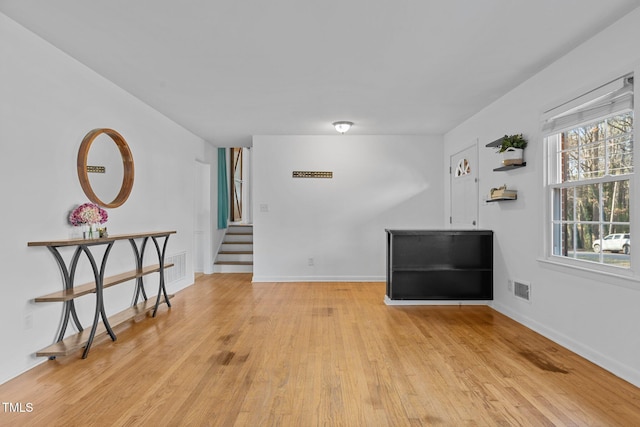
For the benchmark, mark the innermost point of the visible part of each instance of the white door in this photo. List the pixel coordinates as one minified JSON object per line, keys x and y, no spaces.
{"x":203,"y":257}
{"x":463,"y":168}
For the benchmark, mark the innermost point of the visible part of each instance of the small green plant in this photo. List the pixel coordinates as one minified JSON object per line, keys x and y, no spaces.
{"x":515,"y":141}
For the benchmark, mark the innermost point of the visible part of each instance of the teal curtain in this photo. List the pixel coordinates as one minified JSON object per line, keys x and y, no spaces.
{"x":223,"y":189}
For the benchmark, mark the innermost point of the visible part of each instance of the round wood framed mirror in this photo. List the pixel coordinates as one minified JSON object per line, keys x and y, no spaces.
{"x":126,"y":170}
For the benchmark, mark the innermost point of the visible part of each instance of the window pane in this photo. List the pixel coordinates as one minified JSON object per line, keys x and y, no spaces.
{"x":587,"y":202}
{"x":591,"y":133}
{"x":563,"y":200}
{"x":587,"y":234}
{"x":620,"y":144}
{"x":591,"y":150}
{"x":618,"y":247}
{"x":565,"y":240}
{"x":571,"y":139}
{"x":620,"y":155}
{"x":621,"y":124}
{"x":570,"y":167}
{"x":615,"y":202}
{"x":592,"y":161}
{"x":557,"y":239}
{"x":584,"y":237}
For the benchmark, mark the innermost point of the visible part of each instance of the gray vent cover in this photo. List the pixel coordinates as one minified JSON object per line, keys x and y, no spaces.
{"x":522,"y":290}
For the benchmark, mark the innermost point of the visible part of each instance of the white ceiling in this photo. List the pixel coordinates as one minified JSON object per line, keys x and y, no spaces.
{"x":230,"y":69}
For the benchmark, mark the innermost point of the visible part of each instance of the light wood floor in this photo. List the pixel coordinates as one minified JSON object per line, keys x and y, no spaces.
{"x":229,"y":353}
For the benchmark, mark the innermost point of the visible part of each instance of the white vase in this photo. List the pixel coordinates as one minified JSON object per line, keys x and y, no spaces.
{"x":512,"y":156}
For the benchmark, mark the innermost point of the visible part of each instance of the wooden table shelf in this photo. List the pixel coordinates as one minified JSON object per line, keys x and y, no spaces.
{"x":101,"y":324}
{"x":89,"y":288}
{"x":75,"y":342}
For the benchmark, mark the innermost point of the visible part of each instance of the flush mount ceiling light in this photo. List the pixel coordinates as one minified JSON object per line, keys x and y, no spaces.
{"x":342,"y":126}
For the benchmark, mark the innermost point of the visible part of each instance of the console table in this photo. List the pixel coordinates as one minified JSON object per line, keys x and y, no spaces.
{"x":65,"y":346}
{"x":439,"y":265}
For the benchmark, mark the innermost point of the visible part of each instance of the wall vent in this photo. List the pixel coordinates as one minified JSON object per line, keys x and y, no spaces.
{"x":178,"y":271}
{"x":522,"y":290}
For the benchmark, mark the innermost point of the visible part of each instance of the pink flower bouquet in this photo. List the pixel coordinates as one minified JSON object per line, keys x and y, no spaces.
{"x":88,"y":213}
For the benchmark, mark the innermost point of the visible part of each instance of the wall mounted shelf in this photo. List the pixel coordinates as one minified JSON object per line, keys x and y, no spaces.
{"x":495,"y":143}
{"x":510,"y":167}
{"x":502,"y":199}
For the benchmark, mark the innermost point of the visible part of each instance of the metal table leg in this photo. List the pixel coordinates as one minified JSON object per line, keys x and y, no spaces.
{"x":100,"y":311}
{"x":139,"y":254}
{"x":69,"y":308}
{"x":162,"y":290}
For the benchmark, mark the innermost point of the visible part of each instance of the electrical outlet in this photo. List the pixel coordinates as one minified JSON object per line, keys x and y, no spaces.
{"x":510,"y":285}
{"x":310,"y":262}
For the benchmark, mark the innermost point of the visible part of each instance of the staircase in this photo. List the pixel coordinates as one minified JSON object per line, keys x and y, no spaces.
{"x":236,"y":250}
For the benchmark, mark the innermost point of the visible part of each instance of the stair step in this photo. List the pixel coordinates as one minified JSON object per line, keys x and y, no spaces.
{"x":243,"y":238}
{"x":222,"y":257}
{"x":234,"y":262}
{"x":223,"y":268}
{"x":237,"y":246}
{"x":235,"y":252}
{"x":244,"y":228}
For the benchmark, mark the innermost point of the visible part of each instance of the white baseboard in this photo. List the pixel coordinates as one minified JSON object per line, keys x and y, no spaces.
{"x":258,"y":279}
{"x":389,"y":301}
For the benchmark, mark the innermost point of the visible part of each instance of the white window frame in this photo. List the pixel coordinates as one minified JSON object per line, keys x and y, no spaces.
{"x":629,"y":276}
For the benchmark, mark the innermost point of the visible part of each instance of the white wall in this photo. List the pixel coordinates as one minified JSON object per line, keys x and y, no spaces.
{"x":48,"y":102}
{"x":378,"y":182}
{"x":594,"y":315}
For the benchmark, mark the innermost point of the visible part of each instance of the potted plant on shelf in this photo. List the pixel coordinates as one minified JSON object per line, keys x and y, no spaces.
{"x":512,"y":149}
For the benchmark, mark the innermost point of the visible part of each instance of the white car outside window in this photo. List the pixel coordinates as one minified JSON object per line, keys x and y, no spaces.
{"x":619,"y":242}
